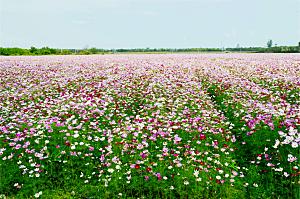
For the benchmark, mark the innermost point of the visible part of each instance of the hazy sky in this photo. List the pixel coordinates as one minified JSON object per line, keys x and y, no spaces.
{"x":148,"y":23}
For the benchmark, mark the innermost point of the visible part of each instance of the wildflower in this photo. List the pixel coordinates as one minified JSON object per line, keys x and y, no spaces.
{"x":143,"y":155}
{"x":277,"y":142}
{"x":140,"y":146}
{"x":148,"y":169}
{"x":233,"y":139}
{"x":291,"y":158}
{"x":202,"y":136}
{"x":294,"y":144}
{"x":159,"y":177}
{"x":196,"y":173}
{"x":259,"y":157}
{"x":177,"y":139}
{"x":186,"y":183}
{"x":137,"y":166}
{"x":37,"y":195}
{"x":91,"y":148}
{"x":278,"y":169}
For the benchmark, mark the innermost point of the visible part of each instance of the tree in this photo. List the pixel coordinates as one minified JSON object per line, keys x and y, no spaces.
{"x":93,"y":50}
{"x":33,"y":50}
{"x":270,"y":43}
{"x":44,"y":51}
{"x":84,"y":52}
{"x":65,"y":52}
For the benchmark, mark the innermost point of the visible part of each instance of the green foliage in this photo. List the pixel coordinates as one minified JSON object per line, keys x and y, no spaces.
{"x":84,"y":52}
{"x":275,"y":49}
{"x":52,"y":51}
{"x":14,"y":51}
{"x":250,"y":147}
{"x":33,"y":50}
{"x":270,"y":43}
{"x":65,"y":52}
{"x":93,"y":50}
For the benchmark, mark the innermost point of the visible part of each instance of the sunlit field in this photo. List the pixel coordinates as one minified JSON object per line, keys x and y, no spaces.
{"x":150,"y":126}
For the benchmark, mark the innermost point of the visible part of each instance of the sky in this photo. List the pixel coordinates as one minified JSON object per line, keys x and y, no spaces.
{"x":148,"y":23}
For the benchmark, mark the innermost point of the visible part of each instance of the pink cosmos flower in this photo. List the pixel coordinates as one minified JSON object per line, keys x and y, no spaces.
{"x":91,"y":148}
{"x":177,"y":139}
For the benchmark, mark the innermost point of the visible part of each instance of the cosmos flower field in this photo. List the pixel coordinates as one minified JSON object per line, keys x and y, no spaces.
{"x":153,"y":126}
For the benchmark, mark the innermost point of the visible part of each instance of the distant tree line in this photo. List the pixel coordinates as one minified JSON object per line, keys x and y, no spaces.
{"x":53,"y":51}
{"x":274,"y":49}
{"x":48,"y":51}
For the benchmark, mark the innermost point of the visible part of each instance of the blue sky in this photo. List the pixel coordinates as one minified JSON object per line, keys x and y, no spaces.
{"x":148,"y":23}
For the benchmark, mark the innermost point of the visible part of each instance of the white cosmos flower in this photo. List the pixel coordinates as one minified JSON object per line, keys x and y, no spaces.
{"x":196,"y":173}
{"x":277,"y":142}
{"x":110,"y":170}
{"x":278,"y":169}
{"x":37,"y":195}
{"x":294,"y":144}
{"x":186,"y":183}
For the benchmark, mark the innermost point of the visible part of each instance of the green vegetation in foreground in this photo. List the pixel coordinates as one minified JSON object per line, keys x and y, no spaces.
{"x":270,"y":184}
{"x":98,"y":152}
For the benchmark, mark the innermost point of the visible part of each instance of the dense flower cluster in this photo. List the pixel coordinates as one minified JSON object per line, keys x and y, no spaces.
{"x":264,"y":99}
{"x":161,"y":118}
